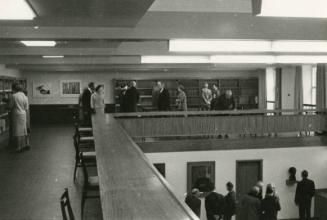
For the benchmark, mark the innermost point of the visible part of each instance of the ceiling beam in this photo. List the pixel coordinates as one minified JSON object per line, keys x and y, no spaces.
{"x":135,"y":67}
{"x":72,"y":60}
{"x":164,"y":25}
{"x":125,"y":48}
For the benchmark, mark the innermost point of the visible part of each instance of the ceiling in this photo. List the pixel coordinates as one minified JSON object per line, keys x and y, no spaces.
{"x":107,"y":35}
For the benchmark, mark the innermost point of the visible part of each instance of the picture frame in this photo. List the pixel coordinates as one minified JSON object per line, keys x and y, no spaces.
{"x":200,"y":174}
{"x":42,"y":89}
{"x":70,"y":88}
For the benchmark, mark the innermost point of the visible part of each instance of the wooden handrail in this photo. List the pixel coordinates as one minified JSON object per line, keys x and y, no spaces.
{"x":174,"y":124}
{"x":215,"y":113}
{"x":130,"y":186}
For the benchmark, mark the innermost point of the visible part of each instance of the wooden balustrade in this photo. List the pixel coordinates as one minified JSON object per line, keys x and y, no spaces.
{"x":130,"y":187}
{"x":168,"y":124}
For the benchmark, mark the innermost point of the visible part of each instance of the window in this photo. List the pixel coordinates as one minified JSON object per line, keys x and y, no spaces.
{"x":271,"y":88}
{"x":309,"y":86}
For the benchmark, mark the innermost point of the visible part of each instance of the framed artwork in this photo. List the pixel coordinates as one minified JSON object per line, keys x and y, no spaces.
{"x":42,"y":89}
{"x":200,"y":175}
{"x":70,"y":88}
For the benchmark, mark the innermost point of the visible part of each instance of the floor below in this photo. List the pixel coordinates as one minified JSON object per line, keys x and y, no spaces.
{"x":32,"y":181}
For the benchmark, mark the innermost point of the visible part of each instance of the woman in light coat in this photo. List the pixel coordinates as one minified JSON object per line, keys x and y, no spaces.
{"x":18,"y":105}
{"x":97,"y":100}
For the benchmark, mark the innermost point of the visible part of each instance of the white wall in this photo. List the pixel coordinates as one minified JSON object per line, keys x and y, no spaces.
{"x":275,"y":166}
{"x":288,"y":87}
{"x":9,"y":72}
{"x":107,"y":79}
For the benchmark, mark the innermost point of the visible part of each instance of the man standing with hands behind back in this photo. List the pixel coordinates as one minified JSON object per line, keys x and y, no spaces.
{"x":305,"y":190}
{"x":86,"y":104}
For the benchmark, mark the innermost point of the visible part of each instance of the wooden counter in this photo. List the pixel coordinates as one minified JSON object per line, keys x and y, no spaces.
{"x":130,"y":187}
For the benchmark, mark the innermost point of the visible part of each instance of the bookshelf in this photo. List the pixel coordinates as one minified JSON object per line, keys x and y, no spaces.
{"x":244,"y":90}
{"x":5,"y":91}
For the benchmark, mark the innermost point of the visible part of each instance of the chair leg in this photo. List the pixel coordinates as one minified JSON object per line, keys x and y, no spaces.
{"x":75,"y":169}
{"x":83,"y":202}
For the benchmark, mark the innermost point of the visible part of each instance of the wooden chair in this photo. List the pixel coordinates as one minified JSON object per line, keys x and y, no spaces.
{"x":83,"y":131}
{"x":85,"y":154}
{"x":90,"y":187}
{"x":66,"y":207}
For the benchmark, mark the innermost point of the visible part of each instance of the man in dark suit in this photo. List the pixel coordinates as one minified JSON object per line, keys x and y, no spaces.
{"x":193,"y":201}
{"x":305,"y":190}
{"x":163,"y":99}
{"x":86,"y":104}
{"x":227,"y":101}
{"x":250,"y":206}
{"x":214,"y":204}
{"x":230,"y":202}
{"x":132,"y":97}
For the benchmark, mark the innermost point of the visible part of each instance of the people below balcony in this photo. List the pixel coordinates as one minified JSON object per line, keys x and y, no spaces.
{"x":214,"y":204}
{"x":270,"y":204}
{"x":305,"y":190}
{"x":181,"y":101}
{"x":86,"y":104}
{"x":132,"y":97}
{"x":227,"y":101}
{"x":97,"y":100}
{"x":206,"y":97}
{"x":193,"y":201}
{"x":163,"y":99}
{"x":249,"y":207}
{"x":230,"y":202}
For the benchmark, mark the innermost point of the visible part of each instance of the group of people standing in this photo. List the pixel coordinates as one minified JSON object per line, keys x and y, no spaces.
{"x":253,"y":205}
{"x":92,"y":101}
{"x":19,"y":120}
{"x":217,"y":206}
{"x":212,"y":99}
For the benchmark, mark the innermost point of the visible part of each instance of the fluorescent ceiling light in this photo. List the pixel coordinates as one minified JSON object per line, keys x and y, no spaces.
{"x":185,"y":45}
{"x":299,"y":46}
{"x":175,"y":59}
{"x":53,"y":56}
{"x":15,"y":10}
{"x":294,"y":8}
{"x":238,"y":59}
{"x":189,"y":45}
{"x":301,"y":59}
{"x":39,"y":43}
{"x":268,"y":59}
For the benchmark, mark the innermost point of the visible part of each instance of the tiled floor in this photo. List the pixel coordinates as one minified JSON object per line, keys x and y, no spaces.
{"x":32,"y":182}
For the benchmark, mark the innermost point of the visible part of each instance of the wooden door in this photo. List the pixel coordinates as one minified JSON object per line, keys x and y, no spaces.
{"x":248,"y":173}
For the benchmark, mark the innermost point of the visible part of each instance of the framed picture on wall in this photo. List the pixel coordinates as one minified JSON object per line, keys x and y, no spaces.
{"x":42,"y":89}
{"x":200,"y":175}
{"x":70,"y":88}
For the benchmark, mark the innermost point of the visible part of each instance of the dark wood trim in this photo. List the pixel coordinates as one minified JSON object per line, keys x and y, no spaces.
{"x":236,"y":144}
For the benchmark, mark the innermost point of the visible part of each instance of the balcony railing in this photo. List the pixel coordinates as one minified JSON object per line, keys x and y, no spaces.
{"x":173,"y":124}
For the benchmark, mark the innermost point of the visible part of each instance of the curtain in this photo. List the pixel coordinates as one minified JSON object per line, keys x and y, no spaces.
{"x":321,"y":86}
{"x":278,"y":89}
{"x":298,"y":89}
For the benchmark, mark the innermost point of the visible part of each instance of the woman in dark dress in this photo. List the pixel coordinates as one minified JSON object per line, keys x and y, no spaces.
{"x":270,"y":204}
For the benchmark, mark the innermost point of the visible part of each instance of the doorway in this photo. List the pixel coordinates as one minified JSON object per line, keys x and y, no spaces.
{"x":248,"y":173}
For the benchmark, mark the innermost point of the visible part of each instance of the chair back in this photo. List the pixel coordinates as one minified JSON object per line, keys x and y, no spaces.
{"x":66,"y":209}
